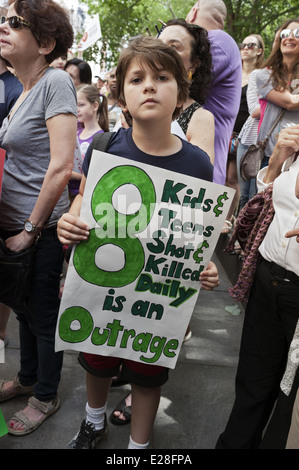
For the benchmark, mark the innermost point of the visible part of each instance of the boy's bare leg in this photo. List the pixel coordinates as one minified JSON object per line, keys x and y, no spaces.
{"x":145,"y":403}
{"x":97,"y":390}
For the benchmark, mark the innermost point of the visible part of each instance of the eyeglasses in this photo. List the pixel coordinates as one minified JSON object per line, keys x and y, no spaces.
{"x":15,"y":22}
{"x":159,"y":31}
{"x":286,"y":33}
{"x":249,"y":45}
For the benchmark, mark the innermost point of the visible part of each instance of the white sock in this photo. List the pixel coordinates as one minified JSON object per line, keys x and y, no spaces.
{"x":96,"y":416}
{"x":134,"y":445}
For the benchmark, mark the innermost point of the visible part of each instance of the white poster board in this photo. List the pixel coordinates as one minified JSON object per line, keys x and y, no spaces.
{"x":131,"y":288}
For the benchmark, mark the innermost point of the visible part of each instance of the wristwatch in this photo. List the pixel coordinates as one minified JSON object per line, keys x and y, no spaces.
{"x":30,"y":227}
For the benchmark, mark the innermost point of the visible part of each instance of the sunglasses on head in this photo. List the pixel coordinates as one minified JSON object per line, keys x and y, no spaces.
{"x":286,"y":33}
{"x":15,"y":22}
{"x":249,"y":45}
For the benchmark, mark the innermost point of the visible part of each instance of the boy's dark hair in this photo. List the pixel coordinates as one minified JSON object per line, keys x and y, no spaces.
{"x":49,"y":21}
{"x":158,"y":56}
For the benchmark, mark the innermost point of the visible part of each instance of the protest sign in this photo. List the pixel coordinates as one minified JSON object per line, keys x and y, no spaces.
{"x":92,"y":34}
{"x":131,"y":288}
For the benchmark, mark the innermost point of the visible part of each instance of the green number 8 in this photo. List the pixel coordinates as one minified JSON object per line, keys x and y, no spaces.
{"x":84,"y":255}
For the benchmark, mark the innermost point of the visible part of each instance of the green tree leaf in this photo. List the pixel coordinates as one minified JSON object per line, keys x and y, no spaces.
{"x":124,"y":19}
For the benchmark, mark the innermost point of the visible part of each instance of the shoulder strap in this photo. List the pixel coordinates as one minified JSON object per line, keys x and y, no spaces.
{"x":279,"y":117}
{"x":101,"y":141}
{"x":263,"y":143}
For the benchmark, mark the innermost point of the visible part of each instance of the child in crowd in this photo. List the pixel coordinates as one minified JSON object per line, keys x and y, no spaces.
{"x":93,"y":116}
{"x":152,"y":85}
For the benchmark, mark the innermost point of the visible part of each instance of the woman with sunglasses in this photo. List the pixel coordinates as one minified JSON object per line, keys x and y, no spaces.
{"x":39,"y":137}
{"x":278,"y":85}
{"x":252,"y":55}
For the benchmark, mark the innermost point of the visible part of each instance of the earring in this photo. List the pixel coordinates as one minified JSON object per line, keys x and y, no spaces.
{"x":189,"y":75}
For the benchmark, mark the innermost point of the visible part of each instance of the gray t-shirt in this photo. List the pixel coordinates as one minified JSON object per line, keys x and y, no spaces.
{"x":26,"y":141}
{"x":290,"y":118}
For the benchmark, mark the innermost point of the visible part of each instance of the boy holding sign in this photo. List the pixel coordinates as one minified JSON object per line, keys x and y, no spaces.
{"x":151,"y":86}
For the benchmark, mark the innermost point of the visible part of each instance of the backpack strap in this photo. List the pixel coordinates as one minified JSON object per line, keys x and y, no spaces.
{"x":101,"y":141}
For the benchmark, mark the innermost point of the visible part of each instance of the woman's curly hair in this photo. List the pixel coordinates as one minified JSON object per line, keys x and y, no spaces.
{"x":200,"y":51}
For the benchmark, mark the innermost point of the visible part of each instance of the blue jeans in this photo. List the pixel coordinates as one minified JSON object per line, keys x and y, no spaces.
{"x":39,"y":362}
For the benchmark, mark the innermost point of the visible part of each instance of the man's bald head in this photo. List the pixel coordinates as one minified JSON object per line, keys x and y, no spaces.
{"x":209,"y":14}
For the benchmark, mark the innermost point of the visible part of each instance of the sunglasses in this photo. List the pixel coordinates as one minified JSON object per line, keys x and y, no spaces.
{"x":249,"y":45}
{"x":15,"y":22}
{"x":286,"y":33}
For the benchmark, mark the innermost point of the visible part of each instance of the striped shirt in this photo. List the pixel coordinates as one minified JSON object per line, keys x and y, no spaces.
{"x":249,"y":131}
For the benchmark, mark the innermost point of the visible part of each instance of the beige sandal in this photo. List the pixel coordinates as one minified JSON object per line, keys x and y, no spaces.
{"x":46,"y":407}
{"x":19,"y":389}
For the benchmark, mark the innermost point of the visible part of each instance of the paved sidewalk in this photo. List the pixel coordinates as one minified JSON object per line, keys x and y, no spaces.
{"x":195,"y":402}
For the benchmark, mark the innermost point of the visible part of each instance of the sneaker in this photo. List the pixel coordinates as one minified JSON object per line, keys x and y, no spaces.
{"x":87,"y":437}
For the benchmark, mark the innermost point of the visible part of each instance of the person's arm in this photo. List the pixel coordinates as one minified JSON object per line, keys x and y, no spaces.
{"x":201,"y":132}
{"x":62,"y":134}
{"x":76,"y":176}
{"x":252,"y":96}
{"x":287,"y":144}
{"x":257,"y":113}
{"x":70,"y":228}
{"x":285,"y":99}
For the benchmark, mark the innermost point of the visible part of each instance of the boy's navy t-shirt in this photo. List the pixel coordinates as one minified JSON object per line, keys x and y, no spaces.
{"x":190,"y":160}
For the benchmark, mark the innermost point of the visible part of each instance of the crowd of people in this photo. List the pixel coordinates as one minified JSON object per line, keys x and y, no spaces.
{"x":213,"y":100}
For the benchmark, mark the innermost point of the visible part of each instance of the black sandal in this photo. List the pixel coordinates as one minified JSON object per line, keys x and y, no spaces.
{"x":122,"y":408}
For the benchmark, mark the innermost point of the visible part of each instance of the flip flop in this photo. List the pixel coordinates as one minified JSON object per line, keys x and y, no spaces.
{"x":122,"y":408}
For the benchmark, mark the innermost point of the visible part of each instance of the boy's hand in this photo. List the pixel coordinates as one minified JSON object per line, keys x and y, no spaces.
{"x":293,"y":233}
{"x":209,"y":277}
{"x":71,"y":229}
